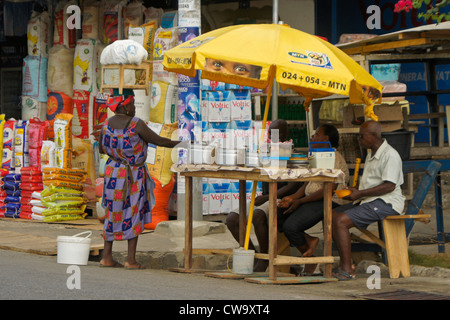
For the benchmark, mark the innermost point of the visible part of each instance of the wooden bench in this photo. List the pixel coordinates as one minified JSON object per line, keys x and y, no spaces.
{"x":284,"y":249}
{"x":394,"y":230}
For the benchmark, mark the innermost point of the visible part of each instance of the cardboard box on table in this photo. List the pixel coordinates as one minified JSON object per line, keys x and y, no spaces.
{"x":390,"y":115}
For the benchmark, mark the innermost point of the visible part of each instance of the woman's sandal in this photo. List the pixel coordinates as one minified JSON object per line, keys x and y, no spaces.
{"x":114,"y":265}
{"x":137,"y":266}
{"x":343,"y":276}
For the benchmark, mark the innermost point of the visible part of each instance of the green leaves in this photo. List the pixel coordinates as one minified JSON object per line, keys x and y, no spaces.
{"x":433,"y":11}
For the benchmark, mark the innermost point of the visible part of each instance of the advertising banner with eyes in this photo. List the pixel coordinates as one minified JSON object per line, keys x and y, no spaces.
{"x":233,"y":68}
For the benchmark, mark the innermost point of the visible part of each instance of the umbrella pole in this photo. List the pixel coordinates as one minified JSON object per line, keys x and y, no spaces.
{"x":255,"y":183}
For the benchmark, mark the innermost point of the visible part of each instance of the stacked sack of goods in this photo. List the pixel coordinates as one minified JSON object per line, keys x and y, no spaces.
{"x":63,"y":197}
{"x":11,"y":193}
{"x":35,"y":67}
{"x":31,"y":186}
{"x":14,"y":147}
{"x":18,"y":155}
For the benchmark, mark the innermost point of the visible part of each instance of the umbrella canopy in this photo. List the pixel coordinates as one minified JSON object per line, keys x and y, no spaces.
{"x":254,"y":55}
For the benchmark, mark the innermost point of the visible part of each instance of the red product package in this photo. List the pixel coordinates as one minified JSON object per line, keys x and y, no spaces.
{"x":62,"y":34}
{"x":25,"y":207}
{"x":8,"y":133}
{"x":30,"y":171}
{"x":37,"y":132}
{"x":58,"y":102}
{"x":25,"y":201}
{"x":25,"y":215}
{"x":100,"y":108}
{"x":110,"y":27}
{"x":35,"y":157}
{"x":80,"y":122}
{"x":32,"y":186}
{"x":32,"y":178}
{"x":27,"y":194}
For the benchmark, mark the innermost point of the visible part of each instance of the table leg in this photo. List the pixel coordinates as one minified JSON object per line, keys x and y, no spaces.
{"x":439,"y":214}
{"x":242,"y":211}
{"x":272,"y":230}
{"x":327,"y":215}
{"x":188,"y":224}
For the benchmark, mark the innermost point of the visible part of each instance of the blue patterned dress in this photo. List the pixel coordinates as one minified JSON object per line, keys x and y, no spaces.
{"x":128,"y":188}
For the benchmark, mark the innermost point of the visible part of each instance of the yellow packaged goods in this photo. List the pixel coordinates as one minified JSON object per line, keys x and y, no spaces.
{"x":83,"y":158}
{"x":63,"y":130}
{"x":65,"y":177}
{"x":61,"y":183}
{"x":163,"y":102}
{"x":67,"y":171}
{"x":61,"y":190}
{"x":63,"y":204}
{"x":62,"y":197}
{"x":143,"y":35}
{"x":63,"y":217}
{"x":52,"y":211}
{"x":159,"y":159}
{"x":63,"y":158}
{"x":47,"y":154}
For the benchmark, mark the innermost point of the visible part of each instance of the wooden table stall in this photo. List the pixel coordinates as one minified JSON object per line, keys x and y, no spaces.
{"x":255,"y":175}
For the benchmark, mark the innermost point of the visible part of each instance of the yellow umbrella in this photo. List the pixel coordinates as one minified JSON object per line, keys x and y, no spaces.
{"x":254,"y":55}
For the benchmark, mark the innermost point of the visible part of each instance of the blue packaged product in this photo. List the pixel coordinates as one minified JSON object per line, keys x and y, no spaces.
{"x":13,"y":199}
{"x":14,"y":177}
{"x":13,"y":207}
{"x":10,"y":185}
{"x":14,"y":193}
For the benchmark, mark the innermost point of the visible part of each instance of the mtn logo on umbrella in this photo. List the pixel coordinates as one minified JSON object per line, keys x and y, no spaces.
{"x":196,"y":43}
{"x":314,"y":59}
{"x":297,"y":55}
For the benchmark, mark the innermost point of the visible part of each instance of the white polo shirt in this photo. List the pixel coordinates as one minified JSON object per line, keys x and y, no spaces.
{"x":385,"y":165}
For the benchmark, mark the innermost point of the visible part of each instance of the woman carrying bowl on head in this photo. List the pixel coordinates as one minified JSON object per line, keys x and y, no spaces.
{"x":128,"y":188}
{"x":304,"y":209}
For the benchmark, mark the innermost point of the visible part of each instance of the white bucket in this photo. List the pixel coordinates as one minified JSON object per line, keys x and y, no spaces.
{"x":74,"y":249}
{"x":243,"y":261}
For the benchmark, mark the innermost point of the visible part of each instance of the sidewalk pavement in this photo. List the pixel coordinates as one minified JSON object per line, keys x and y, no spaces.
{"x":163,"y":247}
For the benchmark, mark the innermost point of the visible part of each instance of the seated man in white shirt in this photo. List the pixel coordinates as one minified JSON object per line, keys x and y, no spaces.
{"x":379,"y":194}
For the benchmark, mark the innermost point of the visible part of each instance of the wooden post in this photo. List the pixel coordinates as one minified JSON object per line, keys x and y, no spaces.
{"x":441,"y":127}
{"x":188,"y":223}
{"x":242,"y":211}
{"x":447,"y":111}
{"x":327,"y":216}
{"x":272,"y":230}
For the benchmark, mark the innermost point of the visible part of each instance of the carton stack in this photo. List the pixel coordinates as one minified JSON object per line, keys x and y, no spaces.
{"x":226,"y":118}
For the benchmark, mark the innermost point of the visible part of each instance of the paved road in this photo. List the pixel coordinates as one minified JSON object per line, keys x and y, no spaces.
{"x":28,"y":276}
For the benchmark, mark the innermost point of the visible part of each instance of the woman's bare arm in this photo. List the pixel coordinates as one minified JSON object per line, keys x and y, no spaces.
{"x":150,"y":136}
